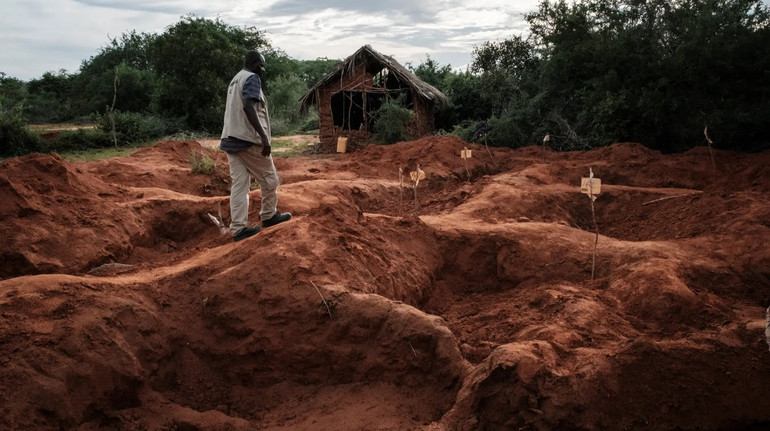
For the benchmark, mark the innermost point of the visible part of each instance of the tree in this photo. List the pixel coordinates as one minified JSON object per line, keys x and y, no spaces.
{"x":12,"y":91}
{"x":194,"y":61}
{"x":593,"y":72}
{"x":129,"y":57}
{"x":49,"y":98}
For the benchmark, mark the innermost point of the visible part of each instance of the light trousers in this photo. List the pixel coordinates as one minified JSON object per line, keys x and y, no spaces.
{"x":244,"y":165}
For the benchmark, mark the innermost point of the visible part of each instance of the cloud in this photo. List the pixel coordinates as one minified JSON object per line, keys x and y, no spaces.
{"x":40,"y":35}
{"x":171,"y":7}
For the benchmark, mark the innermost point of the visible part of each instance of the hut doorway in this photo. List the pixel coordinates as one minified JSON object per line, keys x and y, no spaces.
{"x":352,"y":110}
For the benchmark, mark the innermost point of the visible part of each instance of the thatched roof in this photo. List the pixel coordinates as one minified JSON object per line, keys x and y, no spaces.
{"x":374,"y":62}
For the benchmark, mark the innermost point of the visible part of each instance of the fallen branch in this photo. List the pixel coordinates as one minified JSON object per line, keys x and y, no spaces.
{"x":671,"y":197}
{"x":322,"y":299}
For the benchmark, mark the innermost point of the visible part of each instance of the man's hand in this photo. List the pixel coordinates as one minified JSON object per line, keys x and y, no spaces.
{"x":266,"y":149}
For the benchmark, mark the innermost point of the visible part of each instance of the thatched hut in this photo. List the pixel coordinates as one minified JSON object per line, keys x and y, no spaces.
{"x":357,"y":87}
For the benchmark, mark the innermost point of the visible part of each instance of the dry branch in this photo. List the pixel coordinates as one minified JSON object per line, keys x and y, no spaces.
{"x":593,"y":215}
{"x":713,"y":162}
{"x":670,"y":197}
{"x":329,"y":310}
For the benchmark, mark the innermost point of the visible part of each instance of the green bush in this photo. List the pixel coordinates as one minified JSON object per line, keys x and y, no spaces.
{"x":311,"y":122}
{"x":15,"y":138}
{"x":280,"y":127}
{"x":390,"y":122}
{"x":78,"y":140}
{"x":464,"y":130}
{"x":201,"y":163}
{"x":134,"y":128}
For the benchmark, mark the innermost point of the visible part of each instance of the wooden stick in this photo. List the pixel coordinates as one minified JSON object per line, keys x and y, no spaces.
{"x":671,"y":197}
{"x":596,"y":226}
{"x":322,"y":299}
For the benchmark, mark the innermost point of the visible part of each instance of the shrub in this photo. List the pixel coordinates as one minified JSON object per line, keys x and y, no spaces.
{"x":280,"y":127}
{"x":134,"y":128}
{"x":201,"y":163}
{"x":15,"y":138}
{"x":390,"y":122}
{"x":78,"y":140}
{"x":464,"y":130}
{"x":310,"y":122}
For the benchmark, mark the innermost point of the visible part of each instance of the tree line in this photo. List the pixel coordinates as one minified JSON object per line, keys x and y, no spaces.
{"x":588,"y":73}
{"x":595,"y":72}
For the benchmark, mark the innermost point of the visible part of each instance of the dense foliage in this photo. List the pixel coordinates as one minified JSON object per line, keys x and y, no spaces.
{"x":153,"y":85}
{"x":657,"y":72}
{"x":587,"y":73}
{"x":391,"y":121}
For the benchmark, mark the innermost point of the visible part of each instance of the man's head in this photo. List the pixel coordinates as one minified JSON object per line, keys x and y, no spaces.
{"x":255,"y":62}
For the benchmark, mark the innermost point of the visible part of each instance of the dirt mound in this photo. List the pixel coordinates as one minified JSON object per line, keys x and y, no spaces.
{"x":468,"y":304}
{"x":168,"y":164}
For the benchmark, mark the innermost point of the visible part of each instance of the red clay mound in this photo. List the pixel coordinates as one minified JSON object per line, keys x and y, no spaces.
{"x":168,"y":163}
{"x":467,"y":305}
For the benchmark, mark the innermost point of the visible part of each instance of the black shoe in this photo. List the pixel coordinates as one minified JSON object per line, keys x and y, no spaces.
{"x":245,"y":233}
{"x":275,"y":219}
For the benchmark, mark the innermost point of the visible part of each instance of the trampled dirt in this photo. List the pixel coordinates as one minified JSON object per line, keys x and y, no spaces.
{"x":468,"y":306}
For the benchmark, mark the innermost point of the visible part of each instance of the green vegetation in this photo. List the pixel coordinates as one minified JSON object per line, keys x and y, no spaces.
{"x":594,"y":72}
{"x":162,"y":84}
{"x":98,"y":154}
{"x":202,"y":163}
{"x":588,"y":73}
{"x":391,"y":120}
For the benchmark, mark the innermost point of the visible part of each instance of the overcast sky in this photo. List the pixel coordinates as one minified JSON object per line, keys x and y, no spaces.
{"x":38,"y":36}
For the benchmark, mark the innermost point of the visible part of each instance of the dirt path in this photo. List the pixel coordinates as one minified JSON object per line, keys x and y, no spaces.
{"x":469,"y":308}
{"x":297,"y":143}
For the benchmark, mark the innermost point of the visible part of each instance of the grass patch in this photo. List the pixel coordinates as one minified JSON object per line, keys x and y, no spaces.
{"x":280,"y":143}
{"x":97,"y":154}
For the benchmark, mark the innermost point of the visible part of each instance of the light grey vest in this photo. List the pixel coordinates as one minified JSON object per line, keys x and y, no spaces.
{"x":236,"y":125}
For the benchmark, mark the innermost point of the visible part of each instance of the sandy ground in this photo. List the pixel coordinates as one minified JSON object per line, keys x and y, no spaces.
{"x":466,"y":306}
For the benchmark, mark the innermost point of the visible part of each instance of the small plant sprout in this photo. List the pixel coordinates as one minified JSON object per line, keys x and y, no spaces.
{"x":592,"y":187}
{"x":416,"y":176}
{"x":466,"y":154}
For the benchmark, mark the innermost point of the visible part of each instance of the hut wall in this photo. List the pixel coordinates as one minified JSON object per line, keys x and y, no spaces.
{"x":421,"y":124}
{"x":359,"y":80}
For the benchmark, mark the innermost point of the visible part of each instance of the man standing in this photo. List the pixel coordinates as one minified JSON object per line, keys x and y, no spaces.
{"x":246,"y":139}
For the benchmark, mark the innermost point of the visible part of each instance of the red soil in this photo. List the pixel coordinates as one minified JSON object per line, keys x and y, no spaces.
{"x":470,"y":308}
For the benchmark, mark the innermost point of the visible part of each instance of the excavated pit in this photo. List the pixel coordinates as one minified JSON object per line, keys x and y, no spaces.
{"x":473,"y":307}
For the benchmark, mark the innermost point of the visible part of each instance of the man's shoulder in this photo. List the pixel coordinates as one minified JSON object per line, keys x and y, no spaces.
{"x":254,"y":80}
{"x":252,"y":87}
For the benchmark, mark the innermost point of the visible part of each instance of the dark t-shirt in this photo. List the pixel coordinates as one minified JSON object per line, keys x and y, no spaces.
{"x":251,"y":90}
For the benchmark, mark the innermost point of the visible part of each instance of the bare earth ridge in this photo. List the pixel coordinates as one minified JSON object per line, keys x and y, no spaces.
{"x":470,"y":307}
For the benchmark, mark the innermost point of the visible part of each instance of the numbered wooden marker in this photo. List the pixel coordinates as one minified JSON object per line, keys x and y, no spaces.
{"x":465,"y":153}
{"x":415,"y":177}
{"x":594,"y":188}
